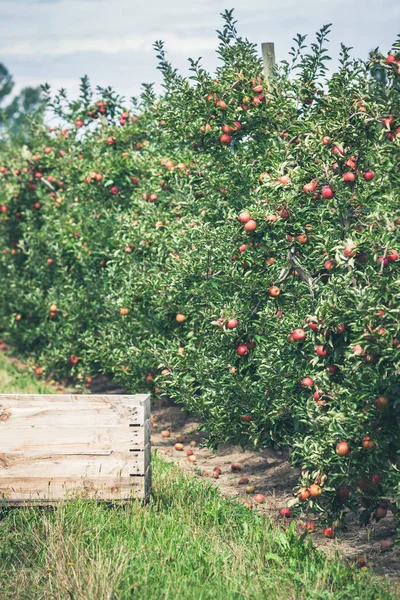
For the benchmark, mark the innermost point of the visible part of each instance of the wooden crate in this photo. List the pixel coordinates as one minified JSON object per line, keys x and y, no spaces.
{"x":55,"y":447}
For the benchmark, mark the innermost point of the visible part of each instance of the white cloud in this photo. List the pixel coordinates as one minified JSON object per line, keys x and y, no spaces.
{"x":102,"y":45}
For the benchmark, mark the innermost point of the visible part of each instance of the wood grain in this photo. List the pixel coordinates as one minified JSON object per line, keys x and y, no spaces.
{"x":94,"y":446}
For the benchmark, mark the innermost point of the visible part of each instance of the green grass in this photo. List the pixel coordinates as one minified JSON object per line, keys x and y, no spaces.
{"x":188,"y":542}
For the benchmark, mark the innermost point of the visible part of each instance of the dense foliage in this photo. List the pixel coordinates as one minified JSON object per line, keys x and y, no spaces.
{"x":123,"y":253}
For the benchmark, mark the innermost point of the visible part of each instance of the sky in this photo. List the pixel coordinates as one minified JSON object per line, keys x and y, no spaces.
{"x":59,"y":41}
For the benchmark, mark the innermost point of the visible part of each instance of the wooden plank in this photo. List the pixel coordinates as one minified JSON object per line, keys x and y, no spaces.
{"x":268,"y":55}
{"x":41,"y":488}
{"x":33,"y":407}
{"x":39,"y":440}
{"x":114,"y":464}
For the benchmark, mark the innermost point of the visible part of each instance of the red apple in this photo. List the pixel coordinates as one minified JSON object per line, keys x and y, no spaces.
{"x":329,"y":532}
{"x":246,"y":418}
{"x":244,"y":217}
{"x":232,"y":323}
{"x":321,"y":351}
{"x":381,"y":403}
{"x":250,"y":225}
{"x":285,"y":512}
{"x":236,"y":467}
{"x":242,"y":350}
{"x":274,"y":291}
{"x":349,"y":177}
{"x":327,"y":192}
{"x":225,"y":138}
{"x":299,"y":335}
{"x":368,"y":175}
{"x":342,"y":449}
{"x":259,"y":498}
{"x":307,"y":382}
{"x":309,"y":187}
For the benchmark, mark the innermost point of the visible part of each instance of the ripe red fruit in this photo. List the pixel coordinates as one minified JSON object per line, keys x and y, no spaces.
{"x":349,"y":177}
{"x":329,"y":264}
{"x":338,"y":150}
{"x":50,"y":261}
{"x":340,"y":328}
{"x":380,"y":513}
{"x":238,"y":125}
{"x":381,"y":403}
{"x":302,"y":238}
{"x":244,"y":217}
{"x":242,"y":248}
{"x":309,"y":187}
{"x":246,"y":418}
{"x":304,"y":494}
{"x":344,"y":492}
{"x":342,"y":449}
{"x":284,"y":213}
{"x":307,"y":382}
{"x":114,"y":190}
{"x":299,"y":335}
{"x":110,"y":141}
{"x":315,"y":490}
{"x":226,"y":128}
{"x":242,"y":350}
{"x":259,"y":498}
{"x":384,"y":261}
{"x":329,"y":532}
{"x":321,"y":351}
{"x":73,"y":360}
{"x":179,"y":446}
{"x":3,"y":208}
{"x":368,"y":175}
{"x":274,"y":291}
{"x":358,"y":350}
{"x":392,"y":255}
{"x":376,"y":478}
{"x":79,"y":123}
{"x":390,"y":59}
{"x":368,"y":443}
{"x":243,"y":481}
{"x":327,"y":192}
{"x":232,"y":323}
{"x":350,"y":250}
{"x":225,"y":138}
{"x":250,"y":225}
{"x":285,"y":512}
{"x":326,"y":140}
{"x":236,"y":467}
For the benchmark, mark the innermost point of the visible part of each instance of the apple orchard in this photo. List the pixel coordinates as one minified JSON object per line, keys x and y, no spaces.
{"x":231,"y":244}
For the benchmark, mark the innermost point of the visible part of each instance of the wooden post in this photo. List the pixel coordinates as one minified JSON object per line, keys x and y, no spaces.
{"x":268,"y":55}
